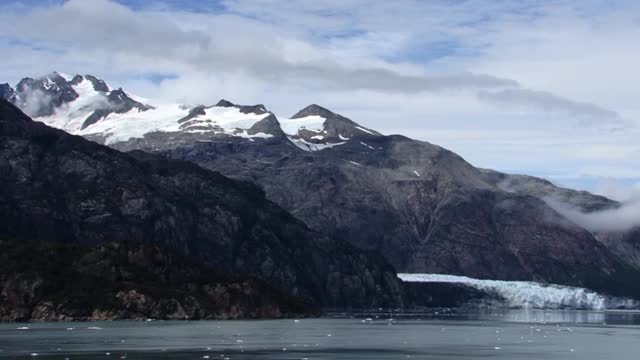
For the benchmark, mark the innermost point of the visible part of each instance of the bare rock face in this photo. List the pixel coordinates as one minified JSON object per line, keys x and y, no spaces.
{"x":127,"y":281}
{"x":7,"y":92}
{"x":41,"y":96}
{"x":62,"y":188}
{"x":424,"y":208}
{"x":625,"y":244}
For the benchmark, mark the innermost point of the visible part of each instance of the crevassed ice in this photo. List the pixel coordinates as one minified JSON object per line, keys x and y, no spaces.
{"x":528,"y":294}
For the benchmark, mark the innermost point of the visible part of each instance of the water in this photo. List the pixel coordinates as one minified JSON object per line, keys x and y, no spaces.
{"x":512,"y":335}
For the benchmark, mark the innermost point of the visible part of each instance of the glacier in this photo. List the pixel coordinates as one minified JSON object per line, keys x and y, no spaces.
{"x":533,"y":295}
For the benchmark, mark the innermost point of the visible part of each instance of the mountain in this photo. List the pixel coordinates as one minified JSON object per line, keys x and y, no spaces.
{"x":42,"y":281}
{"x":424,"y":208}
{"x":62,"y":188}
{"x":7,"y":93}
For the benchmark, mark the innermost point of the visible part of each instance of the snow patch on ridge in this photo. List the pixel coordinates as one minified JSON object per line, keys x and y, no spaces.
{"x":365,"y":130}
{"x":313,"y":123}
{"x":307,"y":146}
{"x":227,"y":119}
{"x":533,"y":295}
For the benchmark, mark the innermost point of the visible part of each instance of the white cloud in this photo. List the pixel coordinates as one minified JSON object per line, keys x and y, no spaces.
{"x":621,"y":219}
{"x":508,"y":85}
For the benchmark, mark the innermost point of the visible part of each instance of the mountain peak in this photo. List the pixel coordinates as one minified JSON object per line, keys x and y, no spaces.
{"x":258,"y":109}
{"x":315,"y":125}
{"x":55,"y":76}
{"x":53,"y":88}
{"x":314,"y":110}
{"x":98,"y":84}
{"x":225,"y":103}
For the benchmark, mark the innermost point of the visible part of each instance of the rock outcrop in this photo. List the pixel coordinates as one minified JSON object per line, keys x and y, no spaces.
{"x":114,"y":281}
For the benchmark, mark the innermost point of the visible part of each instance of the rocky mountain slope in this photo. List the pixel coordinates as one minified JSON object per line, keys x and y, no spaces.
{"x":423,"y":207}
{"x":57,"y":282}
{"x":62,"y":188}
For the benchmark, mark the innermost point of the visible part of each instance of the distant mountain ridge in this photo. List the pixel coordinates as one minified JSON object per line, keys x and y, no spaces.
{"x":85,"y":105}
{"x":424,"y":208}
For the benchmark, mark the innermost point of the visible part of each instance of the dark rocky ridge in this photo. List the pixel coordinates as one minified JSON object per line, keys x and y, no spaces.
{"x":422,"y":206}
{"x":56,"y":282}
{"x":62,"y":188}
{"x":247,"y":109}
{"x":7,"y":93}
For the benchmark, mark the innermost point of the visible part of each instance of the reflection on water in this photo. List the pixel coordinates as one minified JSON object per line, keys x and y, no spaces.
{"x":513,"y":315}
{"x":512,"y":334}
{"x":561,"y":316}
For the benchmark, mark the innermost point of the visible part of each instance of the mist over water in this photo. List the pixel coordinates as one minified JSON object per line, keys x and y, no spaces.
{"x":521,"y":334}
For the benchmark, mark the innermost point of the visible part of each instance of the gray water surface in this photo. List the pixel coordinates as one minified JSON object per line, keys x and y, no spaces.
{"x":508,"y":335}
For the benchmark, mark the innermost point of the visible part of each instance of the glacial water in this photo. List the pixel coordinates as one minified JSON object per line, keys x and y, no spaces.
{"x":509,"y":334}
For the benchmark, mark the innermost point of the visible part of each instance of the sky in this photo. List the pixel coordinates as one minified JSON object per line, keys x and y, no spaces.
{"x":546,"y":88}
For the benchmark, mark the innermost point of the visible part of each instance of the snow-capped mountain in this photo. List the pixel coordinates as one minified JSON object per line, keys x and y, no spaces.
{"x":424,"y":208}
{"x":87,"y":106}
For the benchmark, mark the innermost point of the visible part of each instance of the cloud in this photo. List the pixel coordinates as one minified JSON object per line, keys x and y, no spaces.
{"x":33,"y":101}
{"x":116,"y":31}
{"x":254,"y":49}
{"x":621,"y":219}
{"x":618,"y":190}
{"x":437,"y":70}
{"x":545,"y":101}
